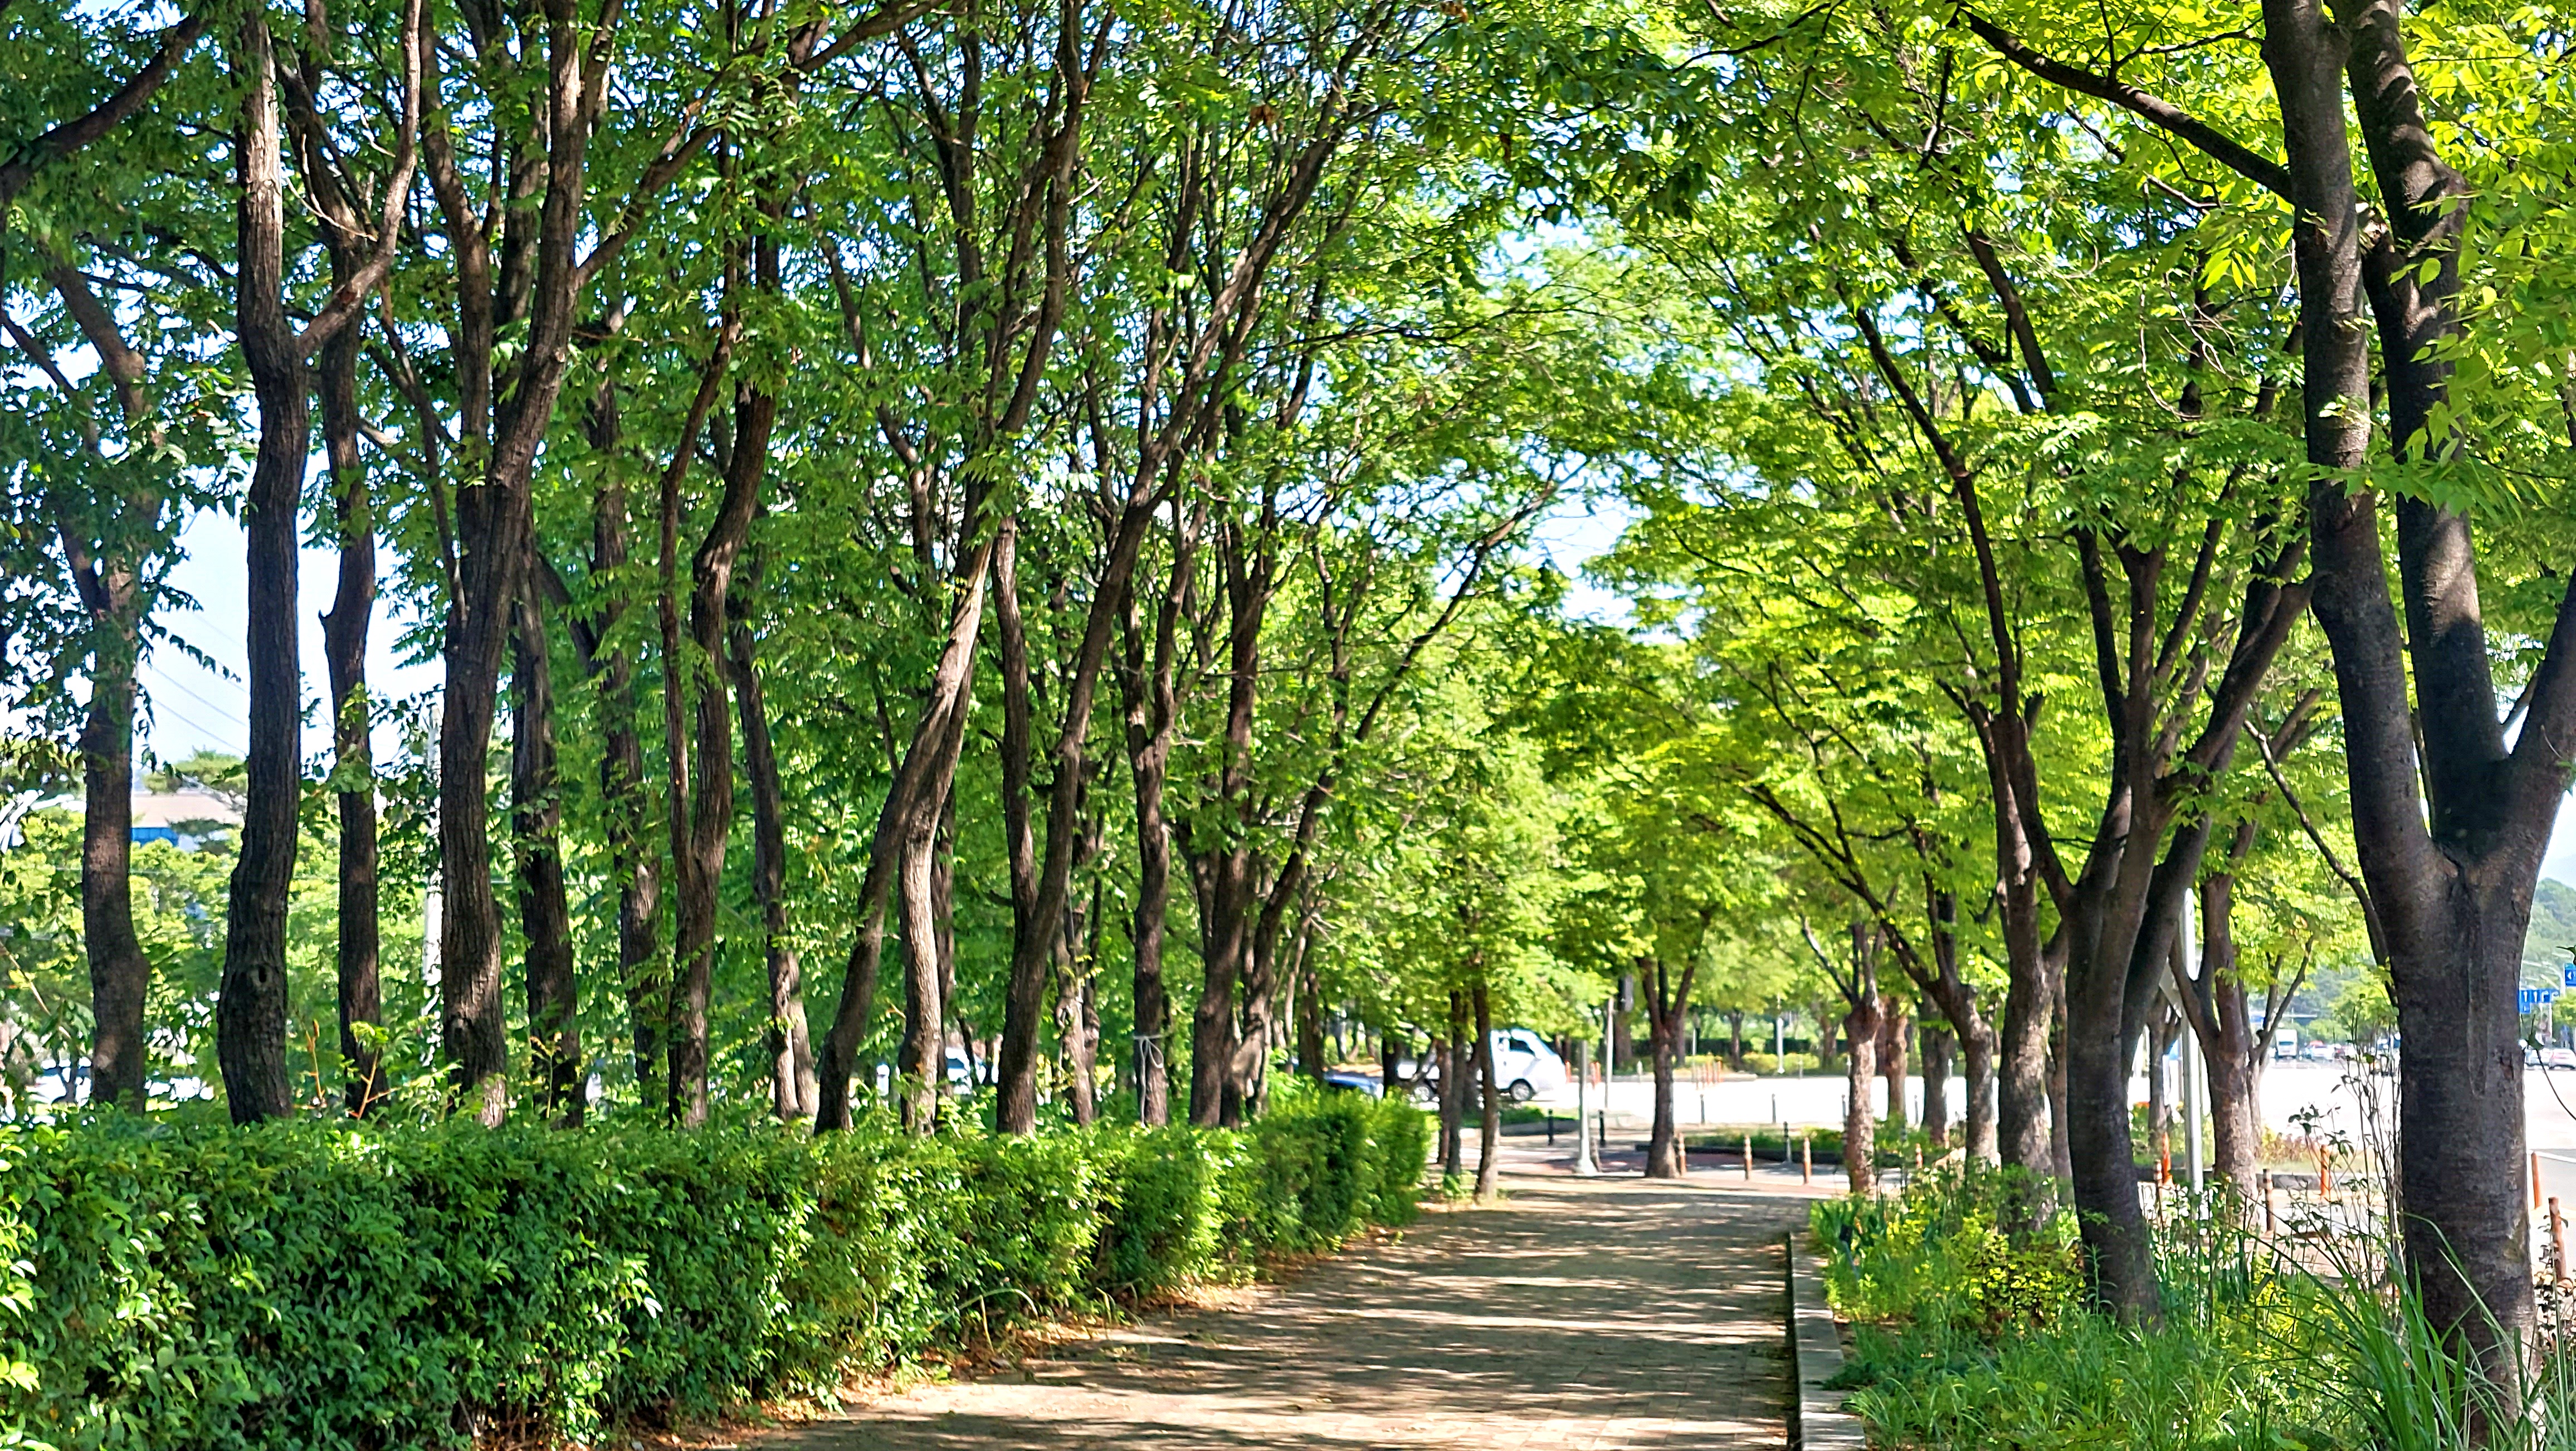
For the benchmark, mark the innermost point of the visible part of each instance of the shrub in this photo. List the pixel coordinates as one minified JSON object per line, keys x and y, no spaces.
{"x":308,"y":1284}
{"x":1969,"y":1336}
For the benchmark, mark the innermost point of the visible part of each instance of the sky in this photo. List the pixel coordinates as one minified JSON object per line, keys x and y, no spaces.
{"x":193,"y":706}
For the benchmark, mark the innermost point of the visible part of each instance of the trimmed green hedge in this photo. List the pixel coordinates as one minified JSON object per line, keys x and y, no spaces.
{"x":315,"y":1285}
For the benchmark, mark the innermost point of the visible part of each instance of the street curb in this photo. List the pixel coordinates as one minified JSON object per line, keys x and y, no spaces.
{"x":1817,"y":1422}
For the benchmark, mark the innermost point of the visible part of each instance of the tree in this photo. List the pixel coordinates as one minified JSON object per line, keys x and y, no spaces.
{"x":2448,"y":821}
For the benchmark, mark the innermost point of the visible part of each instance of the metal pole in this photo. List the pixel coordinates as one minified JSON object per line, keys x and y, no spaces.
{"x":2195,"y":1078}
{"x":1609,"y":1061}
{"x":1585,"y":1166}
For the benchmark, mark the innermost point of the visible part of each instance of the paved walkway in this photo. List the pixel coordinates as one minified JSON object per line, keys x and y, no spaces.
{"x":1583,"y":1314}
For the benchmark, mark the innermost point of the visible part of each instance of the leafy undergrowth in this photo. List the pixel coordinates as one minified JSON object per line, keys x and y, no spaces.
{"x":307,"y":1284}
{"x":1970,"y":1333}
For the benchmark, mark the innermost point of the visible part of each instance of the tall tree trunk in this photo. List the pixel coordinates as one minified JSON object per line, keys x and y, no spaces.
{"x":1311,"y":1054}
{"x":1149,"y":694}
{"x":1077,"y":1014}
{"x":1489,"y":1137}
{"x":1978,"y":1053}
{"x":1024,"y":987}
{"x":693,"y":898}
{"x":553,"y":991}
{"x":1667,"y":1003}
{"x":2022,"y":1076}
{"x":1453,"y":1088}
{"x":1248,"y":1074}
{"x":900,"y":864}
{"x":632,"y":860}
{"x":2162,"y":1025}
{"x":1894,"y":1023}
{"x":344,"y":654}
{"x":1226,"y":875}
{"x":1939,"y":1048}
{"x":1152,"y":710}
{"x":1860,"y":1122}
{"x":928,"y":892}
{"x":119,"y":974}
{"x":702,"y":819}
{"x":2216,"y":1011}
{"x":250,"y":1007}
{"x":793,"y":1090}
{"x":1212,"y":1026}
{"x":1041,"y":893}
{"x":494,"y":513}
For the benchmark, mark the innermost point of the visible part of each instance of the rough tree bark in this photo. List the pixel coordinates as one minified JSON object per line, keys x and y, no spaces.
{"x":1940,"y":1047}
{"x":702,"y":776}
{"x":1860,"y":1124}
{"x":2218,"y":1010}
{"x":1149,"y":693}
{"x":634,"y":865}
{"x":1894,"y":1023}
{"x":545,"y":918}
{"x":1667,"y":1003}
{"x":119,"y":973}
{"x":793,"y":1089}
{"x":114,"y":603}
{"x":1224,"y":878}
{"x":344,"y":654}
{"x":1453,"y":1087}
{"x":250,"y":1006}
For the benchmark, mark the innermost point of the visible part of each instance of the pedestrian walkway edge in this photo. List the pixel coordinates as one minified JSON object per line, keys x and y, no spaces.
{"x":1817,"y":1420}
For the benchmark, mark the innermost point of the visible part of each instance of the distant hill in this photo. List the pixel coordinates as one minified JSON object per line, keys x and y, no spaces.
{"x":2552,"y":940}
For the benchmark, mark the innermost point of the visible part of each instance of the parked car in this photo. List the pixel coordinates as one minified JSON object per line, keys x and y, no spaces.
{"x":1354,"y":1080}
{"x":2558,"y":1057}
{"x":1524,"y":1067}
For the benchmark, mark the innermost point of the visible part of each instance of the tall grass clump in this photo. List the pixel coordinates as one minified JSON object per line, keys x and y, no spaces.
{"x":1972,"y":1331}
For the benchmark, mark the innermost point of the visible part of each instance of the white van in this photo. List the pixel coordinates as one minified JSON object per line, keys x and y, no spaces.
{"x":1524,"y":1067}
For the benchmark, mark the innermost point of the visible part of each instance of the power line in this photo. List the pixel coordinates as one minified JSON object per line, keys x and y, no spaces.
{"x":215,"y":736}
{"x":174,"y":684}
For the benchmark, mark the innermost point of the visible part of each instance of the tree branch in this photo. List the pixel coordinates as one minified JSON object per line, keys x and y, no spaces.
{"x":80,"y":131}
{"x":2264,"y":172}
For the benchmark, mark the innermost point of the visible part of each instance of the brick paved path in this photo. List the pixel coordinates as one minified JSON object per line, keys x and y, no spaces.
{"x":1580,"y":1314}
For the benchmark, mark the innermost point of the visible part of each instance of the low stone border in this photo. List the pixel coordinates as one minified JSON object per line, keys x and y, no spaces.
{"x":1818,"y":1421}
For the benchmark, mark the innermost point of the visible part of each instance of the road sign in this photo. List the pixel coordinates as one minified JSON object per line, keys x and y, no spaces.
{"x":2536,"y":998}
{"x":2570,"y":971}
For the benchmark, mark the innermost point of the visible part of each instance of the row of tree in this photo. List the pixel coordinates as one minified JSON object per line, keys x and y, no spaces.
{"x":1052,"y":459}
{"x":1074,"y":469}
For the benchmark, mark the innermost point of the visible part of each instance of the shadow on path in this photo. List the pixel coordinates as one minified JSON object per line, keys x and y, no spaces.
{"x":1578,"y":1314}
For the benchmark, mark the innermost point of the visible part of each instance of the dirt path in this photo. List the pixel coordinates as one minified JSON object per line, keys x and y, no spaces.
{"x":1579,"y":1314}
